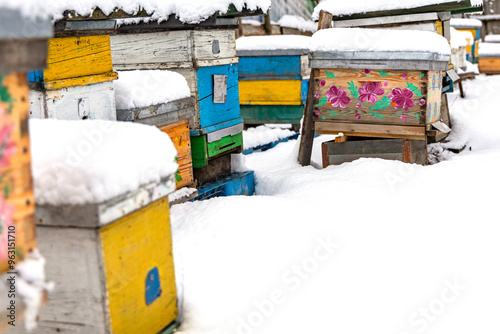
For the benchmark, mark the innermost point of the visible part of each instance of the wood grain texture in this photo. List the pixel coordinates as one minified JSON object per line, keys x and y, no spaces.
{"x":489,"y":65}
{"x":434,"y":94}
{"x":383,"y":110}
{"x":79,"y":279}
{"x":172,"y":49}
{"x":131,"y":247}
{"x":23,"y":55}
{"x":65,"y":103}
{"x":271,"y":92}
{"x":371,"y":130}
{"x":179,"y":134}
{"x":270,"y":68}
{"x":404,"y":150}
{"x":16,"y":192}
{"x":211,"y":113}
{"x":74,"y":57}
{"x":80,"y":81}
{"x":307,"y":134}
{"x":215,"y":168}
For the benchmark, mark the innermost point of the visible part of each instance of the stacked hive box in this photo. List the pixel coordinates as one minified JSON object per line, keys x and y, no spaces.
{"x":474,"y":27}
{"x":274,"y":77}
{"x":160,"y":98}
{"x":207,"y":59}
{"x":385,"y":94}
{"x":112,"y":239}
{"x":23,"y":47}
{"x":489,"y":58}
{"x":78,"y":83}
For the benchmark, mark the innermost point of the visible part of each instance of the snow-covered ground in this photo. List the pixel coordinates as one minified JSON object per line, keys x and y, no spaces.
{"x":371,"y":246}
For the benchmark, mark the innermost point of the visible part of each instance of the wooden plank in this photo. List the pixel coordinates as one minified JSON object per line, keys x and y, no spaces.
{"x":15,"y":175}
{"x":359,"y":86}
{"x":74,"y":57}
{"x":489,"y":65}
{"x":385,"y":21}
{"x":404,"y":150}
{"x":271,"y":92}
{"x":325,"y":20}
{"x":434,"y":94}
{"x":152,"y":50}
{"x":213,"y":44}
{"x":23,"y":55}
{"x":75,"y":103}
{"x":371,"y":130}
{"x":160,"y":114}
{"x":215,"y":168}
{"x":179,"y":134}
{"x":211,"y":113}
{"x":131,"y":248}
{"x":203,"y":151}
{"x":307,"y":135}
{"x":272,"y":114}
{"x":80,"y":81}
{"x":270,"y":68}
{"x":79,"y":279}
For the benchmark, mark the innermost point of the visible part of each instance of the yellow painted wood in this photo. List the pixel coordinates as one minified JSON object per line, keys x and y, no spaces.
{"x":133,"y":246}
{"x":270,"y":92}
{"x":81,"y":81}
{"x":72,"y":57}
{"x":439,"y":28}
{"x":470,"y":42}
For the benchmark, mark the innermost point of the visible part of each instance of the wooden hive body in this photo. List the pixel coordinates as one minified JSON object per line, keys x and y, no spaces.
{"x":125,"y":280}
{"x":273,"y":85}
{"x":78,"y":81}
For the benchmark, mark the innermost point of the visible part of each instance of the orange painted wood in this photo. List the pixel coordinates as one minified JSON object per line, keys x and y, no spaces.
{"x":489,"y":65}
{"x":179,"y":134}
{"x":16,"y":193}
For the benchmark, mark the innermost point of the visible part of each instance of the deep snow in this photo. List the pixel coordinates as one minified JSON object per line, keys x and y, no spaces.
{"x":371,"y":246}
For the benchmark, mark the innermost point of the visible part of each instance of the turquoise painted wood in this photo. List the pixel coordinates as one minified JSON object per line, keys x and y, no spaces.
{"x":269,"y":68}
{"x":304,"y":89}
{"x":35,"y":76}
{"x":272,"y":114}
{"x":212,"y":113}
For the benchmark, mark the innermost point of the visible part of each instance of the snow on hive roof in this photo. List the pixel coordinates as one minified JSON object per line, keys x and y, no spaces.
{"x":346,"y":8}
{"x":92,"y":161}
{"x":188,"y":11}
{"x":465,"y":23}
{"x":139,"y":89}
{"x":297,"y":22}
{"x":487,"y":50}
{"x":492,"y":39}
{"x":378,"y":40}
{"x":274,"y":42}
{"x":459,"y":38}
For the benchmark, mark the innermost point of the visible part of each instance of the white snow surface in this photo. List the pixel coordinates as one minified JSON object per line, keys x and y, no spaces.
{"x":138,"y":89}
{"x":492,"y":38}
{"x":273,"y":42}
{"x":91,"y":161}
{"x":181,"y":193}
{"x":471,"y":68}
{"x":188,"y":11}
{"x":342,"y":8}
{"x":297,"y":22}
{"x":489,"y":50}
{"x":378,"y":40}
{"x":355,"y":248}
{"x":465,"y":23}
{"x":261,"y":135}
{"x":460,"y":38}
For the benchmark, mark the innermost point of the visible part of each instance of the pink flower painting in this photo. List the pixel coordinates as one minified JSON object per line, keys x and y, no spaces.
{"x":337,"y":97}
{"x":369,"y":92}
{"x":401,"y":98}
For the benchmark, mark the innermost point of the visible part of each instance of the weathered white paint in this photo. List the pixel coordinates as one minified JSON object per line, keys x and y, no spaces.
{"x":305,"y":70}
{"x":173,"y":49}
{"x":77,"y":304}
{"x":95,"y":101}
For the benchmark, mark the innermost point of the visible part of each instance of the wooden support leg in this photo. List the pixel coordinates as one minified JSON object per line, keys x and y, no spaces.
{"x":461,"y":87}
{"x":307,"y":138}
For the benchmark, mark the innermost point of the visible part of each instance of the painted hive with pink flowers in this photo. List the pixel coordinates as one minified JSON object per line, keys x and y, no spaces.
{"x":378,"y":96}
